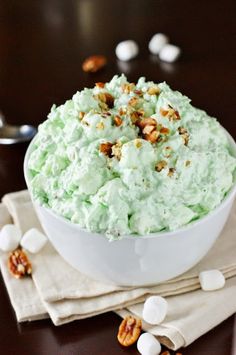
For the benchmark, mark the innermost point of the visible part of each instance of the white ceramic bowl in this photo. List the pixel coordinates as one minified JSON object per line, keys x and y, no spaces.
{"x":134,"y":261}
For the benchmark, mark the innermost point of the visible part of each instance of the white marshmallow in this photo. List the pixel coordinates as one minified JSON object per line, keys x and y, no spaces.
{"x":33,"y":240}
{"x":157,"y":42}
{"x":211,"y":280}
{"x":155,"y":309}
{"x":127,"y":50}
{"x":10,"y":237}
{"x":169,"y":53}
{"x":148,"y":345}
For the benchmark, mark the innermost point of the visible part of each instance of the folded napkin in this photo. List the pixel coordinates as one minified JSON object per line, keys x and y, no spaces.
{"x":63,"y":293}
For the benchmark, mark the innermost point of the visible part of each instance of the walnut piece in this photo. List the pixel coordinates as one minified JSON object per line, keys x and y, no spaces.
{"x":129,"y":331}
{"x":19,"y":264}
{"x":94,"y":63}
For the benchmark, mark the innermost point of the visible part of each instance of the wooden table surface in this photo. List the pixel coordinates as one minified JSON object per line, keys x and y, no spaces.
{"x":42,"y":46}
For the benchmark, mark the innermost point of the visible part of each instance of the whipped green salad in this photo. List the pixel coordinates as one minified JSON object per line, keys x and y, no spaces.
{"x":130,"y":158}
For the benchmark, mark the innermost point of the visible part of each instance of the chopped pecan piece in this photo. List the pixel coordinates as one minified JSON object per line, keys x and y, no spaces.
{"x":106,"y":149}
{"x":116,"y":150}
{"x":19,"y":264}
{"x":138,"y":92}
{"x":173,"y":115}
{"x":171,"y":172}
{"x":118,"y":121}
{"x":165,"y":353}
{"x":148,"y":129}
{"x":94,"y":63}
{"x":106,"y":100}
{"x":100,"y":85}
{"x":81,"y":115}
{"x":127,"y":88}
{"x":146,"y":122}
{"x":152,"y":137}
{"x":161,"y":165}
{"x":184,"y":134}
{"x":154,"y":90}
{"x":129,"y":331}
{"x":164,"y":130}
{"x":133,"y":101}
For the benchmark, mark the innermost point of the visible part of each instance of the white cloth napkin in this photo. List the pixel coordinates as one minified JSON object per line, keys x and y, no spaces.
{"x":63,"y":293}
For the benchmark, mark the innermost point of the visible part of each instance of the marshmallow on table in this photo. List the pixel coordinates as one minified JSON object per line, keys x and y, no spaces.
{"x":33,"y":240}
{"x":169,"y":53}
{"x":127,"y":50}
{"x":155,"y":309}
{"x":10,"y":237}
{"x":211,"y":280}
{"x":157,"y":42}
{"x":148,"y":345}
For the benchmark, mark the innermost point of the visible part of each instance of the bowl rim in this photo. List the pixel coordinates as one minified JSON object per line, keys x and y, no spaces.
{"x":231,"y":194}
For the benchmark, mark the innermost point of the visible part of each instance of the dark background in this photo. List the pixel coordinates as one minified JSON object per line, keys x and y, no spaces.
{"x":42,"y":46}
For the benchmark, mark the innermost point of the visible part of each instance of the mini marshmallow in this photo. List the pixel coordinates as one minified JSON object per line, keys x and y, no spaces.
{"x":169,"y":53}
{"x":127,"y":50}
{"x":148,"y":345}
{"x":155,"y":309}
{"x":211,"y":280}
{"x":157,"y":42}
{"x":10,"y":237}
{"x":33,"y":240}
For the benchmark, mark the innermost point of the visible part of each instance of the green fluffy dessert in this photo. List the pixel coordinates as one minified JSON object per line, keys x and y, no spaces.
{"x":124,"y":158}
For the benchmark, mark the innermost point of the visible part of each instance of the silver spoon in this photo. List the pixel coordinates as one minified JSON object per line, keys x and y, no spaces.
{"x":10,"y":134}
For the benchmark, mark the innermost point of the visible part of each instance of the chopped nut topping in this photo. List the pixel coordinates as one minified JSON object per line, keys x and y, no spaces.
{"x":138,"y":143}
{"x":81,"y":115}
{"x":133,"y":101}
{"x":152,"y":137}
{"x":129,"y":331}
{"x":100,"y":85}
{"x":187,"y":163}
{"x":148,"y":129}
{"x":171,"y":172}
{"x":161,"y":165}
{"x":18,"y":264}
{"x":118,"y":121}
{"x":154,"y":90}
{"x":106,"y":100}
{"x":106,"y":149}
{"x":122,"y":111}
{"x":127,"y":88}
{"x":138,"y":92}
{"x":184,"y":134}
{"x":172,"y":114}
{"x":94,"y":63}
{"x":116,"y":150}
{"x":164,"y":130}
{"x":100,"y":125}
{"x":147,"y":122}
{"x":165,"y":353}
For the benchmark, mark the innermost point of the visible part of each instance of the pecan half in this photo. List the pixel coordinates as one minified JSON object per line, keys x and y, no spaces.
{"x":94,"y":63}
{"x":19,"y":264}
{"x":106,"y":149}
{"x":129,"y":331}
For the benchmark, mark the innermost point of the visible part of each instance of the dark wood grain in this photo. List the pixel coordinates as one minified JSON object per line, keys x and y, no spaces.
{"x":42,"y":46}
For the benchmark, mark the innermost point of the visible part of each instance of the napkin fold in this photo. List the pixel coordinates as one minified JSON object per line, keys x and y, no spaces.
{"x":62,"y":293}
